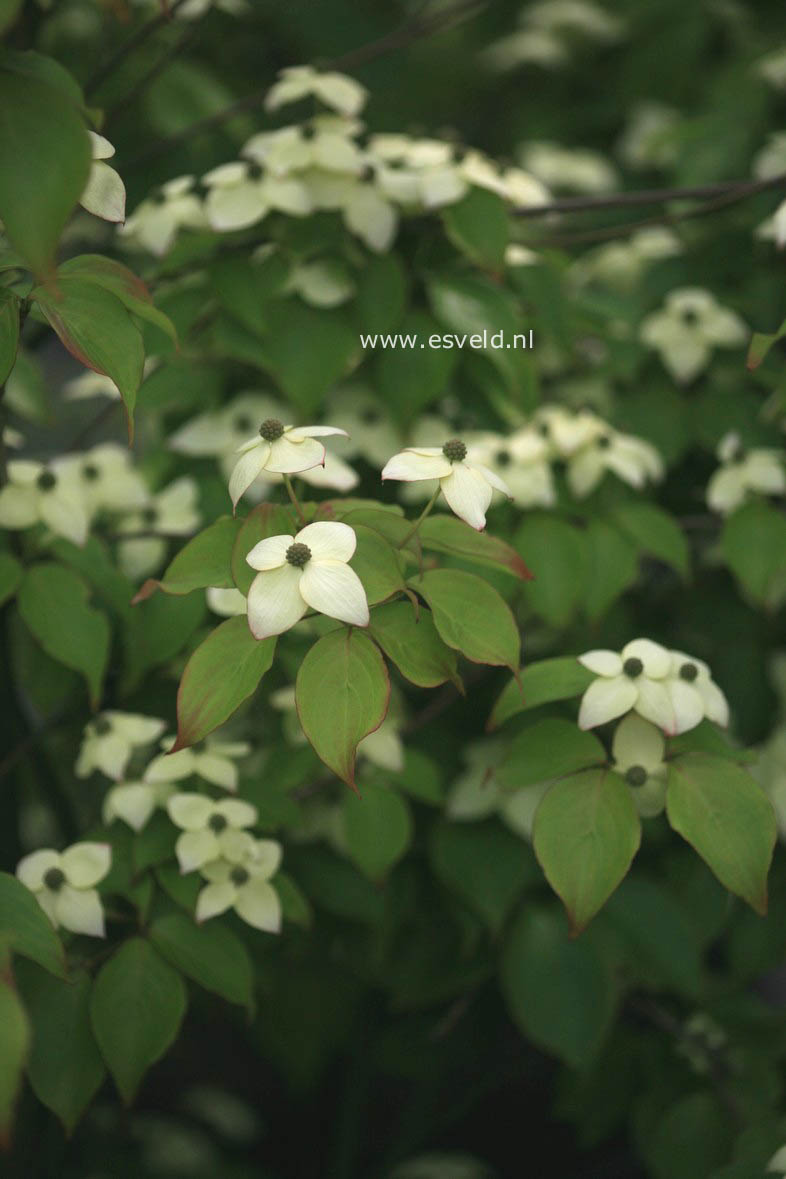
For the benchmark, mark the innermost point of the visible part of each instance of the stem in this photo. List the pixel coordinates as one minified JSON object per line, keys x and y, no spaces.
{"x":134,"y":41}
{"x":294,"y":499}
{"x":420,"y":519}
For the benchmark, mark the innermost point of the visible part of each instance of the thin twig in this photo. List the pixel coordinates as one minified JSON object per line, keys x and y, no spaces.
{"x":103,"y":415}
{"x":133,"y":42}
{"x":147,"y":78}
{"x":412,"y":30}
{"x":737,"y":189}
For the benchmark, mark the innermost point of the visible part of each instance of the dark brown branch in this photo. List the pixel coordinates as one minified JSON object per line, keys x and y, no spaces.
{"x":734,"y":189}
{"x":149,"y":76}
{"x":133,"y":42}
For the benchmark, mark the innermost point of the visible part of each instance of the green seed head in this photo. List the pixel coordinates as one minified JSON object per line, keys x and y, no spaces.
{"x":239,"y":876}
{"x":217,"y":823}
{"x":271,"y":430}
{"x":298,"y":555}
{"x":604,"y":442}
{"x":633,"y":667}
{"x":688,"y":672}
{"x":101,"y":726}
{"x":636,"y":776}
{"x":90,"y":472}
{"x":243,"y":424}
{"x":454,"y":450}
{"x":54,"y":879}
{"x":149,"y":516}
{"x":46,"y":480}
{"x":503,"y":458}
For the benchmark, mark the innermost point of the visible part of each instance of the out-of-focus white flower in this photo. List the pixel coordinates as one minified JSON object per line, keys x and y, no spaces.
{"x":770,"y":772}
{"x":324,"y":144}
{"x":222,"y":431}
{"x":574,"y":16}
{"x":466,"y":486}
{"x":244,"y":885}
{"x":772,"y":68}
{"x":155,"y":223}
{"x":240,"y":195}
{"x":339,"y":92}
{"x":761,"y":470}
{"x":308,"y":569}
{"x":324,"y":282}
{"x":687,"y":329}
{"x":649,"y":139}
{"x":226,"y":602}
{"x":36,"y":494}
{"x":638,"y":748}
{"x":771,"y":160}
{"x":104,"y":195}
{"x":211,"y":830}
{"x":631,"y":459}
{"x":621,"y":264}
{"x":279,"y":450}
{"x":63,"y":883}
{"x":475,"y":793}
{"x":172,"y":512}
{"x":104,"y":478}
{"x":548,"y":31}
{"x":518,"y":255}
{"x":777,"y":1163}
{"x":194,"y":9}
{"x":636,"y":678}
{"x":215,"y":763}
{"x":522,"y":460}
{"x":110,"y":739}
{"x":566,"y":431}
{"x":370,"y":431}
{"x":134,"y":802}
{"x":569,"y":168}
{"x":12,"y":437}
{"x":687,"y":670}
{"x":774,"y":227}
{"x":90,"y":384}
{"x":334,"y":474}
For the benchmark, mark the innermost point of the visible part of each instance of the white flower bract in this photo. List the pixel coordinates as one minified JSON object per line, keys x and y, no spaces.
{"x":63,"y":883}
{"x":211,"y":830}
{"x":110,"y":740}
{"x":279,"y":450}
{"x":244,"y":885}
{"x":466,"y":486}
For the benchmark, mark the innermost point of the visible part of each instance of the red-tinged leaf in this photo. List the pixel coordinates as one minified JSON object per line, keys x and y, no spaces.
{"x":447,"y":534}
{"x":206,"y":561}
{"x":122,"y":282}
{"x":223,"y":672}
{"x":342,"y":695}
{"x":471,"y":617}
{"x":760,"y":344}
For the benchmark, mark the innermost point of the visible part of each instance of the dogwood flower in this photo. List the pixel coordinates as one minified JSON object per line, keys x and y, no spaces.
{"x":523,"y":459}
{"x":370,"y":431}
{"x":777,"y":1163}
{"x":280,"y":450}
{"x":104,"y":195}
{"x":110,"y":739}
{"x":688,"y":328}
{"x":571,"y":169}
{"x":221,"y":432}
{"x":240,"y":195}
{"x":324,"y":147}
{"x":63,"y":883}
{"x":211,"y":830}
{"x":566,"y":431}
{"x":466,"y":486}
{"x":760,"y":470}
{"x":173,"y":512}
{"x":339,"y":92}
{"x":244,"y":886}
{"x":649,"y":139}
{"x":638,"y":748}
{"x":631,"y":459}
{"x":308,"y":569}
{"x":324,"y":282}
{"x":226,"y":602}
{"x":770,"y":772}
{"x":135,"y":802}
{"x":215,"y":763}
{"x":104,"y":478}
{"x":155,"y":223}
{"x":36,"y":494}
{"x":641,"y":678}
{"x":621,"y":264}
{"x":688,"y":672}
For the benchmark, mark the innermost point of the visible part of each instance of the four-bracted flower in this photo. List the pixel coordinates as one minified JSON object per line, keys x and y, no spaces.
{"x":638,"y":748}
{"x":211,"y":830}
{"x":466,"y":486}
{"x":309,"y":569}
{"x":244,"y":886}
{"x":278,"y":450}
{"x":110,"y":739}
{"x":640,"y":677}
{"x":64,"y":883}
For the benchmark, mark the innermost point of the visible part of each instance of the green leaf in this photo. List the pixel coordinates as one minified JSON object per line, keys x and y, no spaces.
{"x":412,"y":643}
{"x":541,"y":683}
{"x":14,"y":1047}
{"x":381,"y":294}
{"x":261,"y":522}
{"x":27,"y":927}
{"x":586,"y":834}
{"x":308,"y":349}
{"x":555,"y":550}
{"x":42,"y":132}
{"x":559,"y":991}
{"x":478,"y":225}
{"x":378,"y":829}
{"x":484,"y":864}
{"x":760,"y":344}
{"x":660,"y":944}
{"x":549,"y":749}
{"x":96,"y":328}
{"x":205,"y":561}
{"x":377,"y":564}
{"x":471,"y":617}
{"x":656,"y":533}
{"x":726,"y":816}
{"x":11,"y":573}
{"x":54,"y":604}
{"x":295,"y":906}
{"x":342,"y":695}
{"x":753,"y":541}
{"x":9,"y":11}
{"x":94,"y":562}
{"x":156,"y":630}
{"x":472,"y":306}
{"x":210,"y":954}
{"x":223,"y":672}
{"x":409,"y":379}
{"x":692,"y":1138}
{"x":137,"y":1006}
{"x":9,"y":332}
{"x":132,"y":292}
{"x":65,"y":1067}
{"x":610,"y":567}
{"x":446,"y":534}
{"x":245,"y":285}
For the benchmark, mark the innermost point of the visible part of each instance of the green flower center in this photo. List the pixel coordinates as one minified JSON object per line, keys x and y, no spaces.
{"x":239,"y":876}
{"x":370,"y":417}
{"x":217,"y":823}
{"x":149,"y":515}
{"x":46,"y":480}
{"x":636,"y":776}
{"x":544,"y":430}
{"x":690,"y":317}
{"x":633,"y":667}
{"x":604,"y":442}
{"x":254,"y":171}
{"x":688,"y":672}
{"x":298,"y":554}
{"x":54,"y":879}
{"x":101,"y":726}
{"x":271,"y":430}
{"x":503,"y":458}
{"x":243,"y":424}
{"x":90,"y":472}
{"x":454,"y":450}
{"x":308,"y":131}
{"x":367,"y":175}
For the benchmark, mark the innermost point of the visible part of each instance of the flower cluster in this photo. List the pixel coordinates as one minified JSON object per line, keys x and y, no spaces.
{"x":687,"y":330}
